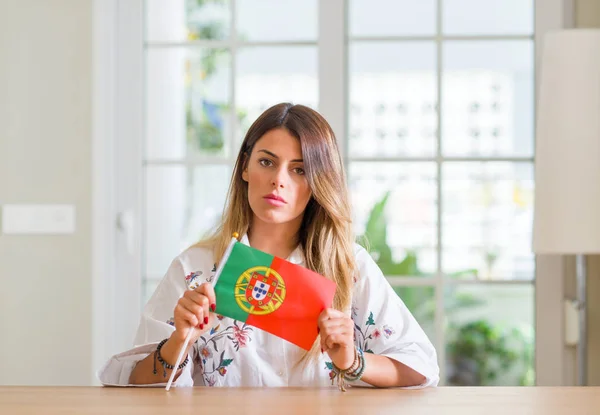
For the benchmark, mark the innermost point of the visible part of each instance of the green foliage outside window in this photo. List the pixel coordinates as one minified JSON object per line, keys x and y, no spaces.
{"x":478,"y":352}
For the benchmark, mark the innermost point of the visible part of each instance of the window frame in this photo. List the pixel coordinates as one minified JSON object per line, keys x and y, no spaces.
{"x":117,"y":140}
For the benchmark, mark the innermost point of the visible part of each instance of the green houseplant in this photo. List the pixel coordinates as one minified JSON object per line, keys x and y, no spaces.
{"x":478,"y":352}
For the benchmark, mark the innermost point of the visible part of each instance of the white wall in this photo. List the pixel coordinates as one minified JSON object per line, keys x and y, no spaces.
{"x":45,"y":128}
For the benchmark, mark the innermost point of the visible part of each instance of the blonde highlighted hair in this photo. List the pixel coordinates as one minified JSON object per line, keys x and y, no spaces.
{"x":325,"y":235}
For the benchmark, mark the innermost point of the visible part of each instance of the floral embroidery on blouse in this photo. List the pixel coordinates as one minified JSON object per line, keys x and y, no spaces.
{"x":171,"y":322}
{"x":240,"y":337}
{"x":191,"y":280}
{"x":387,"y":331}
{"x":362,"y":337}
{"x":238,"y":333}
{"x":212,"y":273}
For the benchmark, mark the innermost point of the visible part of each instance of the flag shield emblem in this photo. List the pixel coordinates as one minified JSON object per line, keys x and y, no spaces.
{"x":263,"y":290}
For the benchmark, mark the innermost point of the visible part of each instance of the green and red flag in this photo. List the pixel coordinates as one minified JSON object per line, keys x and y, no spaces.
{"x":272,"y":294}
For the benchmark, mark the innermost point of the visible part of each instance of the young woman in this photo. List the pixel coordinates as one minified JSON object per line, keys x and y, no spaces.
{"x":287,"y":197}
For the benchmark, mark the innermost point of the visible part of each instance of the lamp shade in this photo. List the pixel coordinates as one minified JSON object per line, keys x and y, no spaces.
{"x":567,"y":162}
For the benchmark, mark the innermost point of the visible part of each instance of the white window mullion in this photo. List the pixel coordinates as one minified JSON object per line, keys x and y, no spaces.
{"x":333,"y":68}
{"x":234,"y":139}
{"x":440,"y":332}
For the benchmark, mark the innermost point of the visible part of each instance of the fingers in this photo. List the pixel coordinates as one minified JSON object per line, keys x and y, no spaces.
{"x":199,"y":311}
{"x":195,"y":305}
{"x":337,"y":339}
{"x":336,"y":329}
{"x":330,"y":313}
{"x":330,"y":318}
{"x":199,"y":300}
{"x":193,"y":310}
{"x":208,"y":291}
{"x":331,"y":325}
{"x":184,"y":315}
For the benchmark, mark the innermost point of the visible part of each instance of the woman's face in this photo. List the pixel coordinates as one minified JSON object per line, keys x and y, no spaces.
{"x":278,"y":190}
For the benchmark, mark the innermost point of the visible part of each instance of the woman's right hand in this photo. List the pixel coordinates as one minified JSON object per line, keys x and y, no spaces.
{"x":194,"y":311}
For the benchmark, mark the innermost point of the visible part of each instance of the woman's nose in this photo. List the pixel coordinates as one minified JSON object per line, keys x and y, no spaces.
{"x":279,"y":179}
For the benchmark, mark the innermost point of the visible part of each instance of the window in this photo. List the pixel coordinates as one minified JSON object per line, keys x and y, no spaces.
{"x":444,"y":192}
{"x":207,"y":79}
{"x":438,"y":142}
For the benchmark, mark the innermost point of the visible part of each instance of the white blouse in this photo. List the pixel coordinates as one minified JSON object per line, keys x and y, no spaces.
{"x":235,"y":354}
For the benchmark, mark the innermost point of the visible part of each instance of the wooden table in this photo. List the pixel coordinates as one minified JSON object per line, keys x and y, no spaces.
{"x":444,"y":400}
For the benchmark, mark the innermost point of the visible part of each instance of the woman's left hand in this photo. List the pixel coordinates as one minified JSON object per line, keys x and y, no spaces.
{"x":337,"y":337}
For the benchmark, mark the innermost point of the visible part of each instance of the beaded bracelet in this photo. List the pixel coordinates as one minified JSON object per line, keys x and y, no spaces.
{"x":355,"y":364}
{"x":164,"y":364}
{"x":356,"y":374}
{"x":353,"y":373}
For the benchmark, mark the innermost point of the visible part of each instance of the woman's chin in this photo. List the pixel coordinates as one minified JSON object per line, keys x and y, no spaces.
{"x":273,"y":218}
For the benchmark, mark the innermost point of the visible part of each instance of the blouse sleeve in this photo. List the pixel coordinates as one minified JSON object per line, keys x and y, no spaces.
{"x":383,"y":325}
{"x":155,"y":325}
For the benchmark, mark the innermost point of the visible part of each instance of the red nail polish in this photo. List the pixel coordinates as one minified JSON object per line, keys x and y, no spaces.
{"x":321,"y":350}
{"x":213,"y":307}
{"x":205,"y":320}
{"x":201,"y":326}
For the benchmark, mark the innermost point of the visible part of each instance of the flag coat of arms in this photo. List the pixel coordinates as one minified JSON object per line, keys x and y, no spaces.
{"x":272,"y":294}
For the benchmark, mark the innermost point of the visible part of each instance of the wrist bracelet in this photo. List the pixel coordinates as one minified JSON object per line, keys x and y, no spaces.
{"x":356,"y":374}
{"x":164,"y":364}
{"x":352,"y":374}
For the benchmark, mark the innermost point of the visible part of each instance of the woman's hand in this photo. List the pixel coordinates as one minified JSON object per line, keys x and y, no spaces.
{"x":194,"y":312}
{"x":337,"y":337}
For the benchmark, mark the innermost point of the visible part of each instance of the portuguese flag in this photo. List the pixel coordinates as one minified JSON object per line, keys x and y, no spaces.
{"x":272,"y":294}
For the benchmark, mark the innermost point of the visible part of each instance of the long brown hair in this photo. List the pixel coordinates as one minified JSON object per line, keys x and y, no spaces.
{"x":325,"y":235}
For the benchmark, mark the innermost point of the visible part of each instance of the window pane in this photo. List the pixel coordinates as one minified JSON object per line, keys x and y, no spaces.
{"x":486,"y":17}
{"x":394,"y":206}
{"x":182,"y":204}
{"x":187,"y":20}
{"x":487,"y":220}
{"x":392,"y":99}
{"x":277,"y":20}
{"x":490,"y":335}
{"x":488,"y":98}
{"x":269,"y":75}
{"x":392,"y":17}
{"x":421,"y":303}
{"x":187,"y":105}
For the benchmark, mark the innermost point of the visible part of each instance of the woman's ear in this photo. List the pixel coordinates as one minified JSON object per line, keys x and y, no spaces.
{"x":245,"y":168}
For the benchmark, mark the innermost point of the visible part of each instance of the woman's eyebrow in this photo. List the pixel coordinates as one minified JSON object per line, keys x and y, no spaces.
{"x":276,"y":156}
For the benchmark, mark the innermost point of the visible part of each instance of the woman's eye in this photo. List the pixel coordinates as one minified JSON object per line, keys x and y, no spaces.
{"x":299,"y":170}
{"x":265,"y":162}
